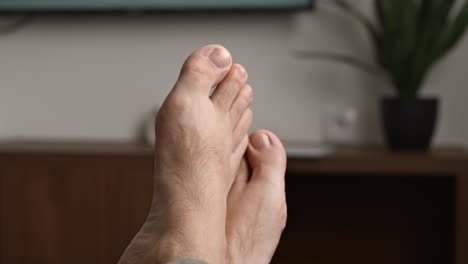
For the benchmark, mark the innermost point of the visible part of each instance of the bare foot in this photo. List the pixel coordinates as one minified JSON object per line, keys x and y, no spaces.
{"x":200,"y":140}
{"x":257,"y":204}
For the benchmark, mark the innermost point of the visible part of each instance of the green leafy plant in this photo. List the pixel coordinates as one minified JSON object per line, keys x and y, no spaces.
{"x":409,"y":37}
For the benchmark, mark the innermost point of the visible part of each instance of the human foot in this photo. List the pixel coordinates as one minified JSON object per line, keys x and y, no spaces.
{"x":257,"y":211}
{"x":200,"y":140}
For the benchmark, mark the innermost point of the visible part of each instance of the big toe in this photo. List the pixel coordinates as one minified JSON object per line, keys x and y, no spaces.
{"x":204,"y":69}
{"x":266,"y":157}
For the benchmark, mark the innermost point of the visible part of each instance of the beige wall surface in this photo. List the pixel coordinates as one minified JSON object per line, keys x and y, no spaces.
{"x":97,"y":77}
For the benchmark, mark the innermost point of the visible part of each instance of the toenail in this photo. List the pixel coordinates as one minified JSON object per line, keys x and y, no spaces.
{"x":260,"y":141}
{"x":242,"y":72}
{"x":220,"y":57}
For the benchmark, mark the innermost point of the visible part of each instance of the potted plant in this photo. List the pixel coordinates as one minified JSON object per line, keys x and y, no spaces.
{"x":409,"y":38}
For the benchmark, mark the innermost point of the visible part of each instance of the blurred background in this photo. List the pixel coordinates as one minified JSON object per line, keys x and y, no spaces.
{"x":80,"y":83}
{"x":95,"y":77}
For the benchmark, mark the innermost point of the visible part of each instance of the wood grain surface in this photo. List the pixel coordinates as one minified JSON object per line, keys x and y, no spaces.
{"x":83,"y":202}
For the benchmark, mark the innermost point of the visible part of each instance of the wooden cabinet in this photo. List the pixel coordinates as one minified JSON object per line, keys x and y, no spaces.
{"x":82,"y":203}
{"x":367,"y":205}
{"x":66,"y":206}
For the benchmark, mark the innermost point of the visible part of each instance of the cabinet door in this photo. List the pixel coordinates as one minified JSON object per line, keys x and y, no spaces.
{"x":71,"y":209}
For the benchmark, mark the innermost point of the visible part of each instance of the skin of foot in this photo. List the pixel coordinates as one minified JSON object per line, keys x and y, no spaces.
{"x":257,"y":209}
{"x":200,"y":141}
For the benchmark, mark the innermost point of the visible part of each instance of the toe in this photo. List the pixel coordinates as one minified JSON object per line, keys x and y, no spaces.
{"x":204,"y":69}
{"x":242,"y":128}
{"x":241,"y":103}
{"x":267,"y":157}
{"x":238,"y":158}
{"x":227,"y":90}
{"x":240,"y":181}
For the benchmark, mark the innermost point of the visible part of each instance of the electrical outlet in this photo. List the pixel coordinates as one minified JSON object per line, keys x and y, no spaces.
{"x":339,"y":125}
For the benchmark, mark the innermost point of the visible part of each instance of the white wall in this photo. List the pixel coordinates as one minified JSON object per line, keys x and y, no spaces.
{"x":96,"y":77}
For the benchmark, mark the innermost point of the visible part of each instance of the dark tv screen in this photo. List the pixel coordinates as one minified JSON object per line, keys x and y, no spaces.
{"x":175,"y":5}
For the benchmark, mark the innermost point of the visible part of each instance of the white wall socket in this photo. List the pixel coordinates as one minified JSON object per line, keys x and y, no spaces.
{"x":339,"y":125}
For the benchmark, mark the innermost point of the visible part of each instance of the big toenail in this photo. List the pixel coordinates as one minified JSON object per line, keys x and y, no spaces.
{"x":260,"y":141}
{"x":220,"y":57}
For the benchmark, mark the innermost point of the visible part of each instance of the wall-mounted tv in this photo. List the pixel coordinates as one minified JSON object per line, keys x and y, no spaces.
{"x":143,"y":5}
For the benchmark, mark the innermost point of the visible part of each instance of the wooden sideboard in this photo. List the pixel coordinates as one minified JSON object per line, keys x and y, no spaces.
{"x":82,"y":203}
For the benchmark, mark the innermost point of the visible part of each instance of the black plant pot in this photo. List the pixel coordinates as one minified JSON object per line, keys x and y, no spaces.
{"x":409,"y":123}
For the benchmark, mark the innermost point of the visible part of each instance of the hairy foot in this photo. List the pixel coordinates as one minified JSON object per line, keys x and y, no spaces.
{"x":200,"y":141}
{"x":257,"y":211}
